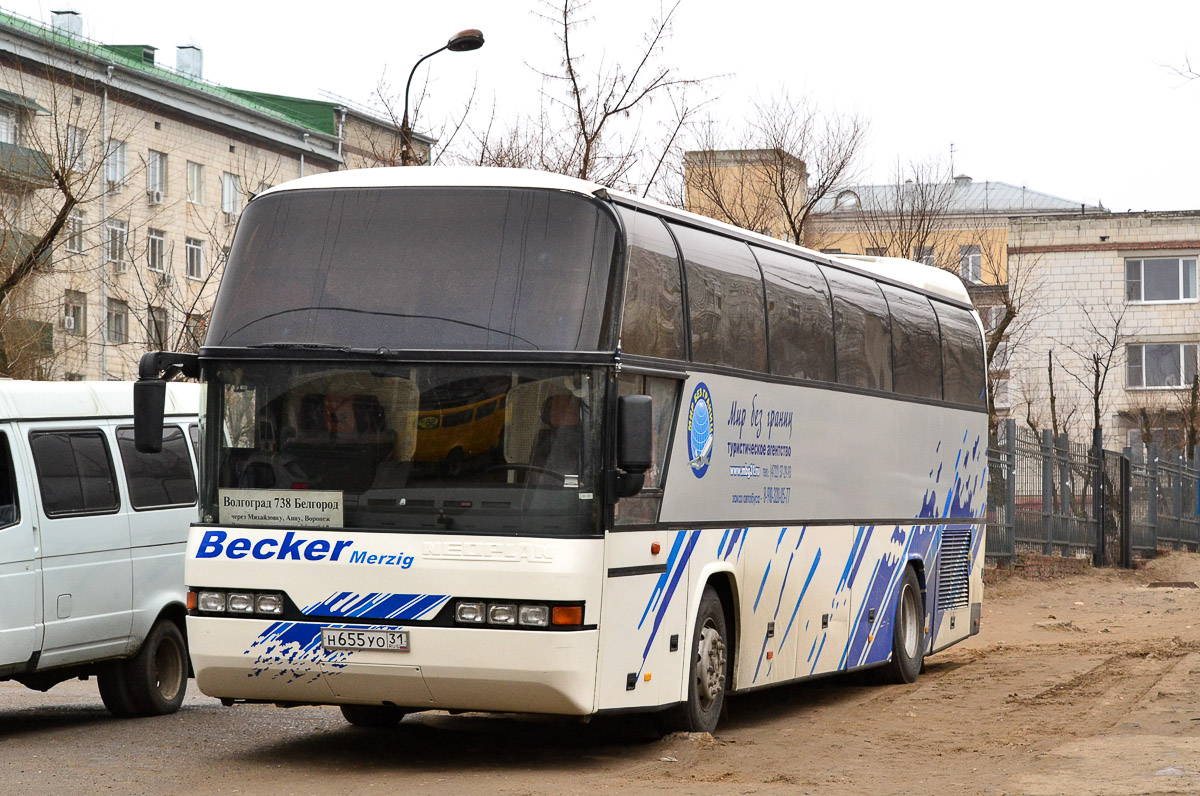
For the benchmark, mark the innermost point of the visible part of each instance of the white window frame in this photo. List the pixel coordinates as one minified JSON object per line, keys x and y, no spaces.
{"x":77,"y":154}
{"x":970,"y":264}
{"x":194,"y":254}
{"x":195,"y":183}
{"x":116,"y":241}
{"x":231,"y":193}
{"x":158,"y":326}
{"x":10,"y":127}
{"x":926,"y":255}
{"x":156,"y":171}
{"x":1187,"y":281}
{"x":116,"y":327}
{"x":116,"y":166}
{"x":75,"y":307}
{"x":1135,"y":365}
{"x":156,"y":250}
{"x":74,"y":243}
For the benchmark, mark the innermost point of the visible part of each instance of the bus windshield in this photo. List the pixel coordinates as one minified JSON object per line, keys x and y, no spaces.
{"x":419,"y":268}
{"x":436,"y":447}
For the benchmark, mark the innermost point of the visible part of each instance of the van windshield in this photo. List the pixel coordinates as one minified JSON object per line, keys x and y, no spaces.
{"x":419,"y":268}
{"x":456,"y":448}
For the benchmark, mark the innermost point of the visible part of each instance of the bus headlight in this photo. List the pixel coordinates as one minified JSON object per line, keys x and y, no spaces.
{"x":211,"y":602}
{"x":534,"y":615}
{"x":470,"y":613}
{"x":240,"y":602}
{"x":502,"y":614}
{"x":268,"y":604}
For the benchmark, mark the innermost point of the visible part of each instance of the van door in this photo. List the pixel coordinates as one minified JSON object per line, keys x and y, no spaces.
{"x":86,"y":569}
{"x":20,"y":620}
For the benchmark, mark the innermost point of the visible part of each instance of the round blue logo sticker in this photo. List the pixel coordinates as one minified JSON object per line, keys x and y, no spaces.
{"x":700,"y":430}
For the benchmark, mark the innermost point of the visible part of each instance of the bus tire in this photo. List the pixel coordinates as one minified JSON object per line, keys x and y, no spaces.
{"x":908,"y":632}
{"x":114,"y":689}
{"x":377,"y":716}
{"x":708,"y":674}
{"x":157,"y":675}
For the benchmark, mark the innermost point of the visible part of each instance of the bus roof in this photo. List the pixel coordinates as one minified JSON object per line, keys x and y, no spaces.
{"x":923,"y":277}
{"x":44,"y":400}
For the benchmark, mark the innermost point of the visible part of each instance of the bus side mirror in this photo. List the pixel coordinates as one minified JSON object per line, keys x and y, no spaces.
{"x":149,"y":403}
{"x":635,"y":442}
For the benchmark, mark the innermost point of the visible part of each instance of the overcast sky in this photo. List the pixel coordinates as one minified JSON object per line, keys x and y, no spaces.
{"x":1069,"y":98}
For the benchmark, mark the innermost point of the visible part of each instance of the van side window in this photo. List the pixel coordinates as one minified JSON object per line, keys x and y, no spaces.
{"x":10,"y":510}
{"x":158,"y":480}
{"x":75,"y":472}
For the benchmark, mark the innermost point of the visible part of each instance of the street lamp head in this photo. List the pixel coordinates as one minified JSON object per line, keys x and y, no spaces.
{"x":465,"y":41}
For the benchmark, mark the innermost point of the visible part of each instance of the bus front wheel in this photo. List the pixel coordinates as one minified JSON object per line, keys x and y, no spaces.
{"x":908,"y":632}
{"x":708,"y":674}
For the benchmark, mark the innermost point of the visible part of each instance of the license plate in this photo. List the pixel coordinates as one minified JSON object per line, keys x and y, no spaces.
{"x":386,"y":640}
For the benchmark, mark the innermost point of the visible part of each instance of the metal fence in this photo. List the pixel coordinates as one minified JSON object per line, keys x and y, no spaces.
{"x":1053,"y":496}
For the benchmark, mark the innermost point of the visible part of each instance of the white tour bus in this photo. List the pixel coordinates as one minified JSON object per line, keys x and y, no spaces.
{"x":498,"y":440}
{"x":92,"y":538}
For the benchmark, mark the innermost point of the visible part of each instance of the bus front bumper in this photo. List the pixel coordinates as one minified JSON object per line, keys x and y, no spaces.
{"x":444,"y":668}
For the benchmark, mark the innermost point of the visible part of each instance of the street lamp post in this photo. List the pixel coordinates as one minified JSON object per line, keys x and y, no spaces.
{"x":463,"y":41}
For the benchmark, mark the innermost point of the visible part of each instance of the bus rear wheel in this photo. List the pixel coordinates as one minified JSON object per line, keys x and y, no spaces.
{"x":377,"y":716}
{"x":708,"y":675}
{"x":908,"y":632}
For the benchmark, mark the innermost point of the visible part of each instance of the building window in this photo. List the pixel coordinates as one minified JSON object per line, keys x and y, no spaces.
{"x":1160,"y":279}
{"x":156,"y":250}
{"x":157,"y":327}
{"x":77,"y":148}
{"x":118,"y":321}
{"x":116,"y":164}
{"x":195,"y":183}
{"x":1159,"y":365}
{"x":156,"y":175}
{"x":116,"y":241}
{"x":874,"y":252}
{"x":924,"y":254}
{"x":8,"y":126}
{"x":193,"y":330}
{"x":231,"y":193}
{"x":194,"y":249}
{"x":970,"y":263}
{"x":75,"y":231}
{"x":75,"y":313}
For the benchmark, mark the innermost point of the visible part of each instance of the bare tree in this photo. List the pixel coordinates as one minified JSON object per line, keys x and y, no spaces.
{"x":907,"y":217}
{"x":789,"y":157}
{"x":1095,"y":351}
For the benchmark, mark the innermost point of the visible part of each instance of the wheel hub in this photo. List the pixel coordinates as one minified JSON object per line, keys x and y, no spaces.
{"x":710,"y":674}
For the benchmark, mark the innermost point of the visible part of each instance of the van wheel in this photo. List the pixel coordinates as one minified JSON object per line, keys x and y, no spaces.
{"x":908,"y":632}
{"x":114,"y":690}
{"x":709,"y":672}
{"x":157,"y":674}
{"x":372,"y":715}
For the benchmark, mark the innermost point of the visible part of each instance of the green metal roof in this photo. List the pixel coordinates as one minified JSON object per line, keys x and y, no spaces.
{"x":301,"y":112}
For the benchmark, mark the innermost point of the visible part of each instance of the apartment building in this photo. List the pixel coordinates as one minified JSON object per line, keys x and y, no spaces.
{"x":121,"y":182}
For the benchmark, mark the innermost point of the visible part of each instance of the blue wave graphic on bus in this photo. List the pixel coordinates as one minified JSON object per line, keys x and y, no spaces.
{"x":377,"y":605}
{"x":292,"y":651}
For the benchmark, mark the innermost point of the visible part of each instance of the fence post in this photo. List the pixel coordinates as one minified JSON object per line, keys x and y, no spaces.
{"x":1098,"y":495}
{"x":1126,"y":513}
{"x":1152,"y":496}
{"x":1047,"y":490}
{"x":1177,"y":499}
{"x":1010,"y":484}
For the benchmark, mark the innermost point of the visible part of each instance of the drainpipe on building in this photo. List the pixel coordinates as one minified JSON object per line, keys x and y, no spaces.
{"x":341,"y":127}
{"x":104,"y":218}
{"x":304,"y":139}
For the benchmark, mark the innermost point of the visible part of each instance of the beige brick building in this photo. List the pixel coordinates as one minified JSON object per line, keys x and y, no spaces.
{"x":1121,"y":287}
{"x":121,"y":183}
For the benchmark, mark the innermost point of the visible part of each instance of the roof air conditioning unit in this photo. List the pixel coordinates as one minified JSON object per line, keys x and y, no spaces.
{"x":68,"y":323}
{"x":155,"y":197}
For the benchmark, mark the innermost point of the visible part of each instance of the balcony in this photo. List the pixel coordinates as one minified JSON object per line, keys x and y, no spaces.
{"x":23,"y":167}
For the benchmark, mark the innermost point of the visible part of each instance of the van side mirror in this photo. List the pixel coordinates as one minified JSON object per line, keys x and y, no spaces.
{"x":635,"y":442}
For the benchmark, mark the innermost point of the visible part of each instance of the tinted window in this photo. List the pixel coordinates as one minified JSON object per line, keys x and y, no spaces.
{"x":916,"y":344}
{"x":405,"y":268}
{"x":799,"y":315}
{"x":653,"y":319}
{"x":962,"y":356}
{"x":642,"y":508}
{"x":158,"y":479}
{"x":10,"y":509}
{"x":725,"y":300}
{"x":862,"y":331}
{"x":75,"y":472}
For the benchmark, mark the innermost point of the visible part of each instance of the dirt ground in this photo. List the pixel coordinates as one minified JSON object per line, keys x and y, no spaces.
{"x":1083,"y":685}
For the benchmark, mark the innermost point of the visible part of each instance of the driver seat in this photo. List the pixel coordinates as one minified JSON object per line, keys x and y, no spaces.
{"x":558,"y":445}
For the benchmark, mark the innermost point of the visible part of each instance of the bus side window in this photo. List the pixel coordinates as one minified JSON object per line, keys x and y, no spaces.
{"x":962,"y":356}
{"x":642,"y":508}
{"x":725,"y":300}
{"x":652,"y":323}
{"x":799,"y":315}
{"x":862,"y":331}
{"x":916,"y":347}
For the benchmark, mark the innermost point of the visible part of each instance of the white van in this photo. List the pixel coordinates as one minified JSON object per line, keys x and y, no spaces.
{"x":92,"y":538}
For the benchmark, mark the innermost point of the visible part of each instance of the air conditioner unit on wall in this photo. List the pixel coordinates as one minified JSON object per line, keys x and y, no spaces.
{"x":155,"y":197}
{"x":68,"y":323}
{"x":230,"y":219}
